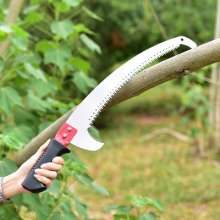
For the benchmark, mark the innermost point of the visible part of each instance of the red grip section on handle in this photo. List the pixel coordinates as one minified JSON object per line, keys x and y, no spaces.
{"x":65,"y":134}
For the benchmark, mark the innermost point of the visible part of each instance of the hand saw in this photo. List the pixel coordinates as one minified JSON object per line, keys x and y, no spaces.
{"x":75,"y":130}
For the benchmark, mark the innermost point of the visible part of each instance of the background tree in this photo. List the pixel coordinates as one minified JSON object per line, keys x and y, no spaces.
{"x":215,"y":92}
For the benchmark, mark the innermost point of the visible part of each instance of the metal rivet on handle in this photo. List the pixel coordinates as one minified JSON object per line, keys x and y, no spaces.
{"x":65,"y":135}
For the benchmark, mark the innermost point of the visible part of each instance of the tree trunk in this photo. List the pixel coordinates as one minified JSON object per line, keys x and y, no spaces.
{"x":214,"y":115}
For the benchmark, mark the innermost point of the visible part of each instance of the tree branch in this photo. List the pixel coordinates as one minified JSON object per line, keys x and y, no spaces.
{"x":13,"y":12}
{"x":166,"y":131}
{"x":172,"y":68}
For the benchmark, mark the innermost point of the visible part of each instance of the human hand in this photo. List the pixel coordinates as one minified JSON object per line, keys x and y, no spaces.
{"x":12,"y":184}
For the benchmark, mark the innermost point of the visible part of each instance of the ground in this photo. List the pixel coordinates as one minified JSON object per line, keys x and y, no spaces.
{"x":162,"y":168}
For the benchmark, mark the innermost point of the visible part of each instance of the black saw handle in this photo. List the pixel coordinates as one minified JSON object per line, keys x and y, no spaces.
{"x":54,"y":149}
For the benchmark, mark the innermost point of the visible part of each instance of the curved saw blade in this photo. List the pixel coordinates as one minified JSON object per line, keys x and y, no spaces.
{"x":86,"y":112}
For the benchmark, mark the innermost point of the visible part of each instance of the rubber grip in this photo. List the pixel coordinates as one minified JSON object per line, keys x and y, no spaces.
{"x":54,"y":149}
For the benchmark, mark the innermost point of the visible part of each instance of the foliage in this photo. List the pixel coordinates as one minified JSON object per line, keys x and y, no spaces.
{"x":43,"y":74}
{"x":46,"y":69}
{"x":141,"y":208}
{"x":133,"y":26}
{"x":195,"y":106}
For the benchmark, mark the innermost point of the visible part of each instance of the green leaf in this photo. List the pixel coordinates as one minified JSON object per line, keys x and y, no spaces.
{"x":83,"y":82}
{"x":62,"y":29}
{"x":81,"y":28}
{"x":194,"y":132}
{"x":148,"y":216}
{"x":72,"y":3}
{"x":81,"y":208}
{"x":23,"y":116}
{"x":92,"y":14}
{"x":33,"y":14}
{"x":16,"y":137}
{"x":90,"y":43}
{"x":80,"y":64}
{"x":58,"y":57}
{"x":9,"y":98}
{"x":42,"y":88}
{"x":56,"y":215}
{"x":34,"y":18}
{"x":33,"y":202}
{"x":36,"y":103}
{"x":5,"y":30}
{"x":76,"y":166}
{"x":88,"y":181}
{"x":139,"y":201}
{"x":61,"y":7}
{"x":44,"y":45}
{"x":100,"y":189}
{"x":84,"y":178}
{"x":2,"y":64}
{"x":27,"y":57}
{"x":54,"y":188}
{"x":119,"y":209}
{"x":43,"y":125}
{"x":20,"y":38}
{"x":36,"y":72}
{"x":31,"y":8}
{"x":59,"y":107}
{"x":66,"y":211}
{"x":7,"y":167}
{"x":94,"y":132}
{"x":20,"y":43}
{"x":19,"y":32}
{"x":9,"y":211}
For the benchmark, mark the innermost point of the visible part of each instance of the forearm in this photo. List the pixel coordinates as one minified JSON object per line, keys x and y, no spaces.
{"x":11,"y":185}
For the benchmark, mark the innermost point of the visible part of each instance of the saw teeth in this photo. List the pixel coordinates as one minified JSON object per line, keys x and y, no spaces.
{"x":126,"y":78}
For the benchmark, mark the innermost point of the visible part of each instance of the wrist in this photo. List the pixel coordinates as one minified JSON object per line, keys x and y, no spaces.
{"x":11,"y":185}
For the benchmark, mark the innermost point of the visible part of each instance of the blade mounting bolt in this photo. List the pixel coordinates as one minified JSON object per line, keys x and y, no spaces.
{"x":65,"y":135}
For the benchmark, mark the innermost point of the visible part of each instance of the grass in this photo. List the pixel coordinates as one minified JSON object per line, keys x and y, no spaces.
{"x":163,"y":168}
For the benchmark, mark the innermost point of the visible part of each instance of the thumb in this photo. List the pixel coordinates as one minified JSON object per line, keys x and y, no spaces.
{"x":27,"y":165}
{"x":39,"y":152}
{"x":43,"y":147}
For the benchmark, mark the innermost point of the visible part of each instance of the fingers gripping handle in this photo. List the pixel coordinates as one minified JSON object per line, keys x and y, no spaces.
{"x":54,"y":149}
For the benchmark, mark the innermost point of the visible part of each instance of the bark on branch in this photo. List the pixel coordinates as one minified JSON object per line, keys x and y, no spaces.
{"x":172,"y":68}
